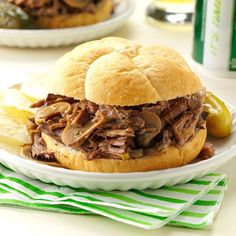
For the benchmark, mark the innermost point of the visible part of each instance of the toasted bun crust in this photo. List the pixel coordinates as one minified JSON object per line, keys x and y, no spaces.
{"x":117,"y":71}
{"x":102,"y":12}
{"x":171,"y":157}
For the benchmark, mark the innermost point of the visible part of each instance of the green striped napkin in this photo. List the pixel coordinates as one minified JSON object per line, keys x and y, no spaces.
{"x":193,"y":204}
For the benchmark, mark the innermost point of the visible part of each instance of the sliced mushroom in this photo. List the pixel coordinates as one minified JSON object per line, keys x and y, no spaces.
{"x":73,"y":135}
{"x":145,"y":139}
{"x":77,"y":3}
{"x":152,"y":121}
{"x":52,"y":110}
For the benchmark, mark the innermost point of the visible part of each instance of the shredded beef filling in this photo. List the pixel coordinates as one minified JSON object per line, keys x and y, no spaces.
{"x":114,"y":131}
{"x":207,"y":151}
{"x":37,"y":8}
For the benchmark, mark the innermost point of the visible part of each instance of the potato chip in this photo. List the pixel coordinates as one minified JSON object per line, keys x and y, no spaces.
{"x":16,"y":99}
{"x":15,"y":113}
{"x":35,"y":86}
{"x":13,"y":130}
{"x":12,"y":148}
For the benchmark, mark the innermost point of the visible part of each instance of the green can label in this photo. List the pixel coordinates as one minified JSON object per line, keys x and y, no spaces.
{"x":233,"y":43}
{"x":214,"y":43}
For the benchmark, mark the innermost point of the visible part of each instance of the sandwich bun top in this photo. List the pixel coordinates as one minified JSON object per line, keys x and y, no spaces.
{"x":116,"y":71}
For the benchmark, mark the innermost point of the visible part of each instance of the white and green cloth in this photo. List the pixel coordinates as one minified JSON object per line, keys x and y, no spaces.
{"x":192,"y":205}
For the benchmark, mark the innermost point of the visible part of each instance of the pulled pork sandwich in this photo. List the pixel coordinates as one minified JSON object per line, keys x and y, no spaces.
{"x":49,"y":14}
{"x":117,"y":106}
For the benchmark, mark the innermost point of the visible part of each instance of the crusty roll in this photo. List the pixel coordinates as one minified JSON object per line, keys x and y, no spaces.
{"x":117,"y":71}
{"x":102,"y":12}
{"x":121,"y":100}
{"x":168,"y":158}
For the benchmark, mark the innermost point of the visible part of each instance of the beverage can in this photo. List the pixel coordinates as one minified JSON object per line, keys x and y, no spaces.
{"x":214,"y":40}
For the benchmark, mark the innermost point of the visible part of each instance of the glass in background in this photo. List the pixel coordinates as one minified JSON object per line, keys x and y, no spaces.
{"x":171,"y":14}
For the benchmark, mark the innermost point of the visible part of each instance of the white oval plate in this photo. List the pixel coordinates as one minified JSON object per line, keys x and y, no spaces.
{"x":225,"y":150}
{"x":60,"y":37}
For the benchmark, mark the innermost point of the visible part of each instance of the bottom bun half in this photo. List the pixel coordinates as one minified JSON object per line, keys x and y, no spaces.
{"x":170,"y":157}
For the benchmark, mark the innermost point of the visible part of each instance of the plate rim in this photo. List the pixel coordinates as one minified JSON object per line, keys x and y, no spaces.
{"x":108,"y":177}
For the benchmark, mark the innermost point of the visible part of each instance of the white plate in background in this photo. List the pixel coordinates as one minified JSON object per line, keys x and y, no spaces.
{"x":225,"y":150}
{"x":60,"y":37}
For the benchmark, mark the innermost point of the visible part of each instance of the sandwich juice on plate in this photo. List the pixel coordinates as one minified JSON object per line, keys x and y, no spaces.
{"x":116,"y":106}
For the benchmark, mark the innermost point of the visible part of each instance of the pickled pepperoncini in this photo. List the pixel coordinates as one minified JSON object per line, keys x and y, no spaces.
{"x":219,"y":120}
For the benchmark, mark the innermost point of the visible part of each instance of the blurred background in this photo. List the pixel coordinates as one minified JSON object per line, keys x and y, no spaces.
{"x":148,"y":24}
{"x":168,"y":22}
